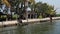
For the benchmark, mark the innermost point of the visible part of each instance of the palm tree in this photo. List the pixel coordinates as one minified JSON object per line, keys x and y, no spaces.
{"x":32,"y":1}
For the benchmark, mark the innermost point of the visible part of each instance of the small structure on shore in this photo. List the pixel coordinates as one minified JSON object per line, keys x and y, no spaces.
{"x":28,"y":13}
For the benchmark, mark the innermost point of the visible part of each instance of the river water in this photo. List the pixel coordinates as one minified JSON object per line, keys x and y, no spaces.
{"x":36,"y":28}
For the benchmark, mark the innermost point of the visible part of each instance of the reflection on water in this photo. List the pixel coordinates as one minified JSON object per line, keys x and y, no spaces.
{"x":37,"y":28}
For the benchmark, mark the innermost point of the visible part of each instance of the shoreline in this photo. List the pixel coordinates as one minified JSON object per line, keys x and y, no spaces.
{"x":15,"y":22}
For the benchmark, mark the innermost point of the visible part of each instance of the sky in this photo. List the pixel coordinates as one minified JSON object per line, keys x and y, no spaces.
{"x":55,"y":3}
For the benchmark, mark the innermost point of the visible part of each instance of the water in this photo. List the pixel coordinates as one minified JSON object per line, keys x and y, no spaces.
{"x":36,"y":28}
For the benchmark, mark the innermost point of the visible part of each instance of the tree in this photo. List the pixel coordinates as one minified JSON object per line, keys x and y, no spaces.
{"x":44,"y":9}
{"x":32,"y":1}
{"x":0,"y":2}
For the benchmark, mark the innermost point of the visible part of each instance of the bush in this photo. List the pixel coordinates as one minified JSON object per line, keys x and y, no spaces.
{"x":40,"y":17}
{"x":57,"y":15}
{"x":3,"y":17}
{"x":15,"y":16}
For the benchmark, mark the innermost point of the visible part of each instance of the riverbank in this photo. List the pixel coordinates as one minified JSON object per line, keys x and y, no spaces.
{"x":15,"y":22}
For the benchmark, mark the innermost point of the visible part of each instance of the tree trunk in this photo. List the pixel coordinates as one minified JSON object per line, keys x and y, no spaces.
{"x":50,"y":18}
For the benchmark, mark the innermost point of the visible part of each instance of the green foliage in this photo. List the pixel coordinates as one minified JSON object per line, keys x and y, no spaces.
{"x":15,"y":16}
{"x":32,"y":1}
{"x":13,"y":2}
{"x":3,"y":16}
{"x":0,"y":1}
{"x":57,"y":15}
{"x":44,"y":8}
{"x":40,"y":8}
{"x":40,"y":17}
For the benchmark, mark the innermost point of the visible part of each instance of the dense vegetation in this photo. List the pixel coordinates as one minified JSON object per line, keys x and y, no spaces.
{"x":58,"y":15}
{"x":42,"y":9}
